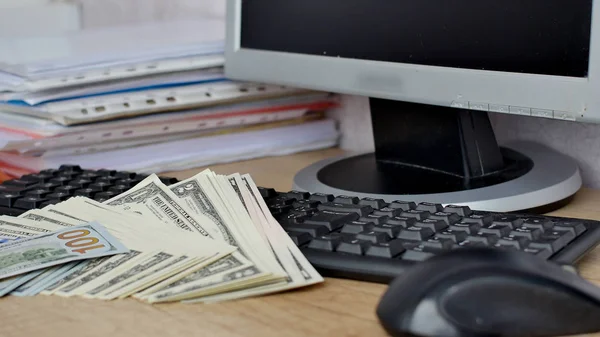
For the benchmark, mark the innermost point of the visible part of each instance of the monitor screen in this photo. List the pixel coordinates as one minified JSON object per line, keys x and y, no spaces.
{"x":547,"y":37}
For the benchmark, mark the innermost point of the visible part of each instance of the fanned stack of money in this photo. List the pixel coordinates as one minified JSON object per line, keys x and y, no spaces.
{"x":206,"y":239}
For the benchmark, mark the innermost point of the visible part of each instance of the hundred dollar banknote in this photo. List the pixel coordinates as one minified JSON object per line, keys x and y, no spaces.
{"x":75,"y":243}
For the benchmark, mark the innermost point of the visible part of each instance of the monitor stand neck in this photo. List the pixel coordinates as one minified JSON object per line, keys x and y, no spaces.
{"x":459,"y":143}
{"x":424,"y":149}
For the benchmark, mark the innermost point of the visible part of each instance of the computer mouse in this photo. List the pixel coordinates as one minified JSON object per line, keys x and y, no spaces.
{"x":489,"y":292}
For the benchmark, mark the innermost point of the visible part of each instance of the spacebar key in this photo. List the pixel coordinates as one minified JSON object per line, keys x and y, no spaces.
{"x":365,"y":268}
{"x":362,"y":210}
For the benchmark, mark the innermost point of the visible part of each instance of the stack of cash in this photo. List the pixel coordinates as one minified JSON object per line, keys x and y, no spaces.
{"x":206,"y":239}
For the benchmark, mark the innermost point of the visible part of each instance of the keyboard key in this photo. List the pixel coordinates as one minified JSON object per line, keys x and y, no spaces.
{"x":356,"y":227}
{"x":85,"y":192}
{"x":48,"y":186}
{"x":29,"y":203}
{"x":415,"y":233}
{"x":281,"y":201}
{"x":498,"y":230}
{"x":62,"y":181}
{"x":70,"y":175}
{"x":299,"y":238}
{"x":460,"y":210}
{"x":325,"y":242}
{"x":38,"y":193}
{"x":469,"y":228}
{"x":118,"y":189}
{"x":553,"y":243}
{"x":105,"y":195}
{"x":296,"y":195}
{"x":508,"y":220}
{"x":373,"y":236}
{"x":543,"y":253}
{"x":418,"y":215}
{"x":106,"y":173}
{"x":13,"y":189}
{"x":58,"y":196}
{"x":469,"y":244}
{"x":125,"y":182}
{"x":453,"y":235}
{"x":529,"y":233}
{"x":331,"y":220}
{"x":420,"y":254}
{"x":80,"y":183}
{"x":108,"y":180}
{"x":8,"y":199}
{"x":306,"y":203}
{"x":19,"y":183}
{"x":481,"y":220}
{"x":345,"y":208}
{"x":434,"y":225}
{"x":401,"y":221}
{"x":375,"y":203}
{"x":101,"y":186}
{"x":287,"y":219}
{"x":66,"y":189}
{"x":354,"y":247}
{"x":322,"y":197}
{"x":266,"y":193}
{"x":376,"y":219}
{"x":277,"y":209}
{"x":49,"y":202}
{"x":403,"y":205}
{"x":429,"y":207}
{"x":485,"y":238}
{"x":541,"y":224}
{"x":390,"y":212}
{"x":89,"y":175}
{"x":388,"y":250}
{"x":304,"y":211}
{"x":344,"y":199}
{"x":574,"y":227}
{"x":438,"y":243}
{"x":391,"y":230}
{"x":312,"y":230}
{"x":517,"y":242}
{"x":70,"y":168}
{"x":448,"y":218}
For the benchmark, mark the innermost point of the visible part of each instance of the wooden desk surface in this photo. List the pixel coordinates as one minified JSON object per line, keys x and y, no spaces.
{"x":335,"y":308}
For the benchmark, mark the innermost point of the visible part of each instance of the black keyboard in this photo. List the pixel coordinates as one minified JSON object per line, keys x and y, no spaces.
{"x":344,"y":236}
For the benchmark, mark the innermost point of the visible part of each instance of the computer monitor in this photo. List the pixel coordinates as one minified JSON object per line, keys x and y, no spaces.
{"x":433,"y":71}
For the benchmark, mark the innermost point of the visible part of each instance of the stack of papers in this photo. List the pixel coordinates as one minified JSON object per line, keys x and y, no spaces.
{"x":99,"y":92}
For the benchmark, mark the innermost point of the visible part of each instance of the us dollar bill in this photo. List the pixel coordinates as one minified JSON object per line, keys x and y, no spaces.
{"x":51,"y":278}
{"x":9,"y":284}
{"x":82,"y":268}
{"x":47,"y":250}
{"x":157,"y":274}
{"x":30,"y":215}
{"x":136,"y":270}
{"x":105,"y":267}
{"x":223,"y":280}
{"x":159,"y":200}
{"x":228,"y":263}
{"x":191,"y":192}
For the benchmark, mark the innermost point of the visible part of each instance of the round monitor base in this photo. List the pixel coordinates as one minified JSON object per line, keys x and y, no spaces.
{"x":549,"y":183}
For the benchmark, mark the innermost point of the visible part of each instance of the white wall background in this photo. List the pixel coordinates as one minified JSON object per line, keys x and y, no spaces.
{"x":581,"y":141}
